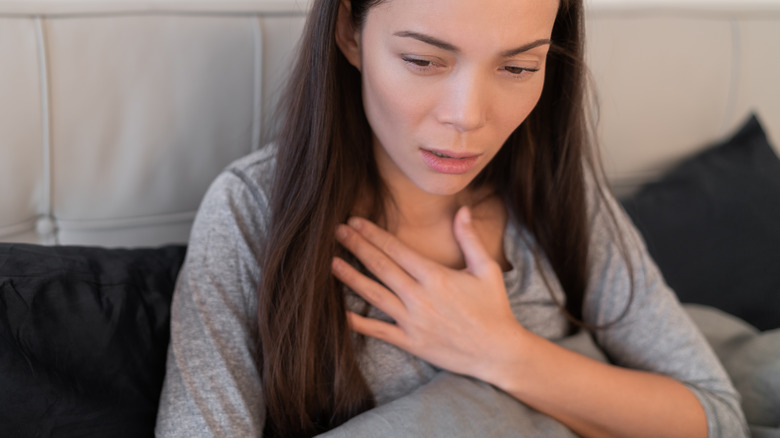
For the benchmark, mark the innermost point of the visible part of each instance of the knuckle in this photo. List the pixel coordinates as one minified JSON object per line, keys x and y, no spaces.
{"x":353,"y":239}
{"x":388,"y":246}
{"x":416,"y":343}
{"x":384,"y":332}
{"x":437,"y":280}
{"x":373,"y":296}
{"x":378,"y":265}
{"x":408,"y":284}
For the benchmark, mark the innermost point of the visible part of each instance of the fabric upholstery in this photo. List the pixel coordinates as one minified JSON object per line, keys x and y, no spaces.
{"x":713,"y":226}
{"x":83,"y":338}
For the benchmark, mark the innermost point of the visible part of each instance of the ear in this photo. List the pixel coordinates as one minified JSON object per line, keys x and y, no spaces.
{"x":347,"y":37}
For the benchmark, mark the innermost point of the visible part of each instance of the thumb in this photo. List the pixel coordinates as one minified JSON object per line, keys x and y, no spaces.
{"x":477,"y":257}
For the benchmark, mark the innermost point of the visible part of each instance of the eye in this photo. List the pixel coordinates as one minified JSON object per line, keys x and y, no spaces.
{"x":520,"y":72}
{"x":419,"y":64}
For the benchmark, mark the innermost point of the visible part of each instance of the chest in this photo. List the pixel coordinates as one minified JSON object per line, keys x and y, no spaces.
{"x":392,"y":373}
{"x":437,"y":241}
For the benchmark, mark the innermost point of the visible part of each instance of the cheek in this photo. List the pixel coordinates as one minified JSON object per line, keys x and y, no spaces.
{"x":515,"y":108}
{"x":392,"y":106}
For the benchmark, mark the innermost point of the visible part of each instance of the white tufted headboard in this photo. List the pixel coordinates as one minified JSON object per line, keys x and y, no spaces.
{"x":116,"y":115}
{"x":674,"y":75}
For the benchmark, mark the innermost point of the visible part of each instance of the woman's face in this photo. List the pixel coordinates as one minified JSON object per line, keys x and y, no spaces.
{"x":445,"y":82}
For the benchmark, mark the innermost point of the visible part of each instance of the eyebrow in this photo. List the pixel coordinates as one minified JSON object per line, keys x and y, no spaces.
{"x":451,"y":48}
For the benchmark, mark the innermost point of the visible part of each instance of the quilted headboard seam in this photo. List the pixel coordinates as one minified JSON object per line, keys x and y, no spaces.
{"x":46,"y":225}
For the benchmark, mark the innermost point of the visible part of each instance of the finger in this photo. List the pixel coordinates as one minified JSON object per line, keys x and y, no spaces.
{"x":409,"y":260}
{"x":384,"y":331}
{"x":376,"y":261}
{"x":474,"y":251}
{"x":373,"y":292}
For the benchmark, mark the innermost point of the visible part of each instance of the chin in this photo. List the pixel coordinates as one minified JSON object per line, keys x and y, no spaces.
{"x":445,"y":187}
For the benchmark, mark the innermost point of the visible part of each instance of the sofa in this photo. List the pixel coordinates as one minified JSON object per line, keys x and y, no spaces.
{"x":115,"y":116}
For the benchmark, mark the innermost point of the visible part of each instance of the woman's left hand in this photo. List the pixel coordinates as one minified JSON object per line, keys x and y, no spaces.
{"x":458,"y":320}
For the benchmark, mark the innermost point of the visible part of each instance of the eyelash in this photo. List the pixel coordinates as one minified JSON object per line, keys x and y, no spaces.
{"x":520,"y":71}
{"x":426,"y":66}
{"x":419,"y":64}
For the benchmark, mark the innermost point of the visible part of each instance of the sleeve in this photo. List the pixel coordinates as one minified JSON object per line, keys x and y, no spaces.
{"x":655,"y":334}
{"x":212,"y":387}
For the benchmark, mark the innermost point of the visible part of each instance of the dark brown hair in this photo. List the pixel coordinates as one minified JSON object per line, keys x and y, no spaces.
{"x":310,"y":374}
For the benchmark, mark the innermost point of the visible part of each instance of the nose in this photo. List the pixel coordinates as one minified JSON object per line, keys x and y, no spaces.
{"x":464,"y":105}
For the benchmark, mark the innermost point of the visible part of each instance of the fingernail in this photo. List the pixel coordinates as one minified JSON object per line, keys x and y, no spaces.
{"x":466,"y":215}
{"x":355,"y":223}
{"x":342,"y":232}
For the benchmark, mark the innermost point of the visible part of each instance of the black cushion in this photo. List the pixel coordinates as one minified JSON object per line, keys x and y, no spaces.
{"x":83,"y":338}
{"x":713,"y":226}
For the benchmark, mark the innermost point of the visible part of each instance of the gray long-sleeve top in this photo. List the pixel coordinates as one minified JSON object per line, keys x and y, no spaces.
{"x":212,"y":387}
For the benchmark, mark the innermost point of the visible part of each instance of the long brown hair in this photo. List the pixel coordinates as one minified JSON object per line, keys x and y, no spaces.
{"x":310,"y":374}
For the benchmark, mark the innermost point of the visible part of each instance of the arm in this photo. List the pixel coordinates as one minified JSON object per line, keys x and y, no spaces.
{"x":653,"y":348}
{"x":656,"y":334}
{"x":593,"y":398}
{"x":212,"y":388}
{"x":472,"y":333}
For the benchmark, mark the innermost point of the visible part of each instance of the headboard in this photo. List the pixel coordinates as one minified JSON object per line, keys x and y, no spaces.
{"x":116,"y":115}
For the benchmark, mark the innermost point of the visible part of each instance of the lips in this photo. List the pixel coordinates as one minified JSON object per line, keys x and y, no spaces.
{"x":449,"y":162}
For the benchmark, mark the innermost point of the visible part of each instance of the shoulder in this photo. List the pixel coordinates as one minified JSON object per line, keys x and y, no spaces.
{"x":233,"y":217}
{"x":241,"y":193}
{"x":222,"y":265}
{"x":257,"y":168}
{"x":606,"y":218}
{"x":250,"y":175}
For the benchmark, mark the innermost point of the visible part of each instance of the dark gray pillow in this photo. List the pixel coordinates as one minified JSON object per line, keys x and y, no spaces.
{"x":713,"y":226}
{"x":83,"y":339}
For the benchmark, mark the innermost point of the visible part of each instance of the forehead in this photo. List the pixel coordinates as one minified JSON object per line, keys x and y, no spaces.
{"x":461,"y":22}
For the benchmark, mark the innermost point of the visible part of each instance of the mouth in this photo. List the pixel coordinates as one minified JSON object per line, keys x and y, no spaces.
{"x":449,"y":162}
{"x":449,"y":154}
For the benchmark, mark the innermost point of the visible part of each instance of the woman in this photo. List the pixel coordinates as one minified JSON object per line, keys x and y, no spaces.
{"x":431,"y":207}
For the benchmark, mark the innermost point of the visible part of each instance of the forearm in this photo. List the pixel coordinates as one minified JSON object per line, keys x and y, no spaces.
{"x":593,"y":398}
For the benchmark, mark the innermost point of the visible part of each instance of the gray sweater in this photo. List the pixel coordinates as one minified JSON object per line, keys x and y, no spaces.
{"x":212,"y":387}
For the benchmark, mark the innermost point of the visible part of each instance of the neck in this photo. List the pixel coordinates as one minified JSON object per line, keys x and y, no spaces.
{"x":420,"y":209}
{"x":423,"y":221}
{"x":410,"y":207}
